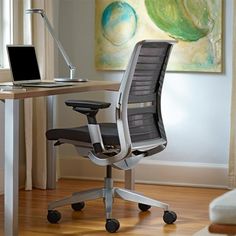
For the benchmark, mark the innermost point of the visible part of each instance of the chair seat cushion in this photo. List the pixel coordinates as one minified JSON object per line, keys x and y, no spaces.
{"x":81,"y":134}
{"x":222,"y":210}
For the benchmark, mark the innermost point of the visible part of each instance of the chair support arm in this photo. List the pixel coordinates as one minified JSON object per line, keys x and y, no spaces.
{"x":90,"y":109}
{"x":103,"y":159}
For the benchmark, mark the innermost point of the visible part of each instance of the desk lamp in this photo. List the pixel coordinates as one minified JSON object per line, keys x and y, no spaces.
{"x":59,"y":45}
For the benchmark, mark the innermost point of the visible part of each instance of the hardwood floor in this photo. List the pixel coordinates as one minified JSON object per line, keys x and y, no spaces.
{"x":190,"y":204}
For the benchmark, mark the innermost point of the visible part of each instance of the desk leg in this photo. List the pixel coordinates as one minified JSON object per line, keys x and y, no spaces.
{"x":130,"y":179}
{"x":51,"y":155}
{"x":11,"y":176}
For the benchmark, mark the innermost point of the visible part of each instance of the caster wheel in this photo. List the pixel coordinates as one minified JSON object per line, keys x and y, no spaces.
{"x":169,"y":217}
{"x":78,"y":206}
{"x":143,"y":207}
{"x":112,"y":225}
{"x":53,"y":216}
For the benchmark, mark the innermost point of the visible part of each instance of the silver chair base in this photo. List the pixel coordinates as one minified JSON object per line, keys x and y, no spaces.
{"x":108,"y":192}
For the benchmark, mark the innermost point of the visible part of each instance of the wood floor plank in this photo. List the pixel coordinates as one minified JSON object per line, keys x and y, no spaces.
{"x":190,"y":204}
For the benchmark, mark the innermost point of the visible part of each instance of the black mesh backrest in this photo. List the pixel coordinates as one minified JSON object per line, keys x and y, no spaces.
{"x":144,"y":110}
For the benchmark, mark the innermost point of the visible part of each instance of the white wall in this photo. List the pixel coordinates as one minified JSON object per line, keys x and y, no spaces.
{"x":196,"y":106}
{"x":1,"y":146}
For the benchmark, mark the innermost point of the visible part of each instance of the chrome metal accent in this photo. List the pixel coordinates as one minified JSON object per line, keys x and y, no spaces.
{"x":129,"y":162}
{"x":139,"y":198}
{"x":102,"y":159}
{"x":95,"y":134}
{"x":107,"y":193}
{"x":147,"y":145}
{"x":72,"y":68}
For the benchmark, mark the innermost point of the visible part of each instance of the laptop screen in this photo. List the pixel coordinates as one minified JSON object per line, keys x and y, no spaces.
{"x":23,"y":63}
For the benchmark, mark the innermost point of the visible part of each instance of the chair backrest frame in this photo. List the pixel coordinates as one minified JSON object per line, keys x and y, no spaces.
{"x":129,"y":102}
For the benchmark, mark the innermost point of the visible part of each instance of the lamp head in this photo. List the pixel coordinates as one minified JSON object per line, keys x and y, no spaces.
{"x":35,"y":10}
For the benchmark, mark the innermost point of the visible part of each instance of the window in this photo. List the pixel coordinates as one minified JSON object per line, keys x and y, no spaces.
{"x":5,"y":30}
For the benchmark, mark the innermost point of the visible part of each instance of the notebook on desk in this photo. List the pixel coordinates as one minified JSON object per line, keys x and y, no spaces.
{"x":24,"y":67}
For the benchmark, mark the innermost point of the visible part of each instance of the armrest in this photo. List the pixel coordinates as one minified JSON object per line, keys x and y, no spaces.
{"x":88,"y":108}
{"x":94,"y":105}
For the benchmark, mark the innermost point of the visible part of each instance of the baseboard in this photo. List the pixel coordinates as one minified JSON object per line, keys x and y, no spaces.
{"x":153,"y":172}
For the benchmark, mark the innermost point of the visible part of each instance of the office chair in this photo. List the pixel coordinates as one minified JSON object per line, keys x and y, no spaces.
{"x":138,"y":132}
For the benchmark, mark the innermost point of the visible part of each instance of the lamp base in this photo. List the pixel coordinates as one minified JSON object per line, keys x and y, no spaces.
{"x":70,"y":80}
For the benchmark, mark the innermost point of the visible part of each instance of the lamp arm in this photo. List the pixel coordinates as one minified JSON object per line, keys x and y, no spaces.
{"x":61,"y":49}
{"x":65,"y":56}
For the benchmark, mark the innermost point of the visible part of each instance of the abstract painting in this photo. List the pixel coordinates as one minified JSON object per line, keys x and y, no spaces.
{"x":196,"y":25}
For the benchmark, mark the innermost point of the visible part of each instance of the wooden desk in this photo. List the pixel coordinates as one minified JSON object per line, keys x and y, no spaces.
{"x":75,"y":88}
{"x":11,"y":178}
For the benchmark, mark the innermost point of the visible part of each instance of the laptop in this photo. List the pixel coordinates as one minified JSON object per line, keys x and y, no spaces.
{"x":24,"y":67}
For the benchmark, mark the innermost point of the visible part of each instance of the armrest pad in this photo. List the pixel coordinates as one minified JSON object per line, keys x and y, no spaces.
{"x":87,"y":104}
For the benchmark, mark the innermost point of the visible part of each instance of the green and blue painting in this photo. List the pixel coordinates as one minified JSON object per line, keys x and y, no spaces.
{"x":195,"y":24}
